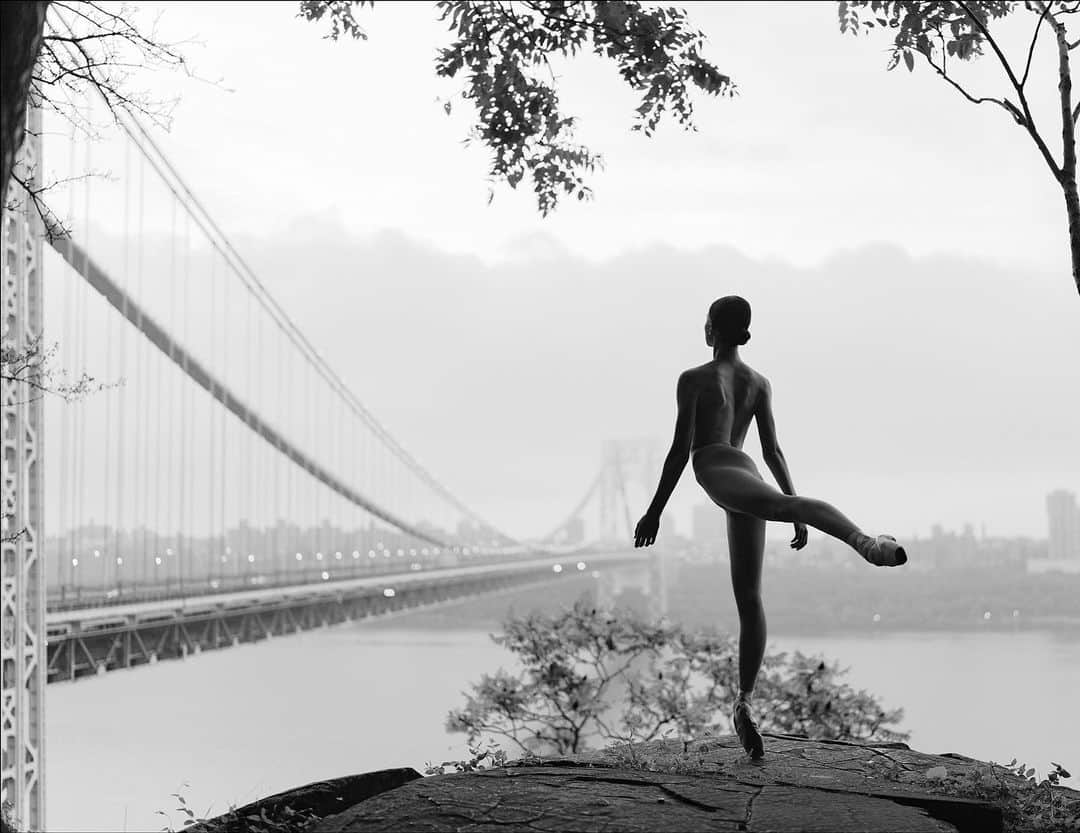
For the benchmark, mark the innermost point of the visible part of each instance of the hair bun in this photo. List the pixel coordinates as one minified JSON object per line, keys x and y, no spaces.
{"x":744,"y":337}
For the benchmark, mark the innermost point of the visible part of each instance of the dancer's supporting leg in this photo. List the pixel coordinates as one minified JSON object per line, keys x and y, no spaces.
{"x":746,"y":544}
{"x":742,"y":491}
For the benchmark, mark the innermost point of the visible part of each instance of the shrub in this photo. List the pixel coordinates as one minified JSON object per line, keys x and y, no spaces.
{"x":586,"y":674}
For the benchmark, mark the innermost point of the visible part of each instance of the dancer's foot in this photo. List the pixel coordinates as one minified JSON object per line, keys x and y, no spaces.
{"x":882,"y":551}
{"x":747,"y":730}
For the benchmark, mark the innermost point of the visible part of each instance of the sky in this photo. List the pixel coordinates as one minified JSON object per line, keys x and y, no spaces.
{"x":905,"y":253}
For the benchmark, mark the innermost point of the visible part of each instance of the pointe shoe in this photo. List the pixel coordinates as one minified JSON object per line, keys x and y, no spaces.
{"x":885,"y":552}
{"x":747,"y":730}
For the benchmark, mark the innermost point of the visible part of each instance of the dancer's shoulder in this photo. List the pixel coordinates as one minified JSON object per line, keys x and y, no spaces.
{"x":696,"y":375}
{"x":759,"y":382}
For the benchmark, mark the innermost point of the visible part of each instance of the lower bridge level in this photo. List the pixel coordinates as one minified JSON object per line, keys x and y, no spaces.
{"x":92,"y":641}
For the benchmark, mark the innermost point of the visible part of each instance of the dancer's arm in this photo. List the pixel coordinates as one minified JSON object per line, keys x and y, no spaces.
{"x":774,"y":457}
{"x":677,"y":457}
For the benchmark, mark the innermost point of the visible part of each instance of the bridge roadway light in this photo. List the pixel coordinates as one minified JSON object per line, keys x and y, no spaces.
{"x":389,"y":592}
{"x":318,"y":556}
{"x":75,"y":563}
{"x":299,"y":556}
{"x":371,"y":553}
{"x":337,"y":555}
{"x":557,"y":568}
{"x":581,"y":565}
{"x":356,"y":553}
{"x":157,"y":560}
{"x":400,"y":552}
{"x":325,"y":575}
{"x":119,"y":560}
{"x":168,"y":550}
{"x":251,"y":558}
{"x":97,"y":553}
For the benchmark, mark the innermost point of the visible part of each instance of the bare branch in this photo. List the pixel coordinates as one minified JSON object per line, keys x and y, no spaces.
{"x":32,"y":366}
{"x":11,"y":537}
{"x":1031,"y":48}
{"x":54,"y":226}
{"x":1005,"y":104}
{"x":1029,"y":122}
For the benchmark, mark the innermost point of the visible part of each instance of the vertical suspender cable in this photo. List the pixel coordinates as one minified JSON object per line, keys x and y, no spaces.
{"x":225,"y":444}
{"x":279,"y":395}
{"x":80,"y":409}
{"x":66,"y":428}
{"x":142,"y":408}
{"x":170,"y":441}
{"x":249,"y":386}
{"x":183,"y":536}
{"x":212,"y":445}
{"x":121,"y":536}
{"x":106,"y":550}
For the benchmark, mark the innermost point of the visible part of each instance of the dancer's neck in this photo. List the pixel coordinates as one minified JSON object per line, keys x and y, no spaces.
{"x":725,"y":352}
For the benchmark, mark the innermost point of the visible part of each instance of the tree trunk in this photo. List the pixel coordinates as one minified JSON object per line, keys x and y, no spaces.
{"x":22,"y":25}
{"x":1067,"y":177}
{"x":1072,"y":209}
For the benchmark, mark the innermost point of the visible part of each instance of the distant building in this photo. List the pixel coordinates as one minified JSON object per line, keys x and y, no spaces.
{"x":1064,"y":517}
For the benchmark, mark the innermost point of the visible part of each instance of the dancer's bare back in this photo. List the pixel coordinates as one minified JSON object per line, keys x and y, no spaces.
{"x":727,"y":395}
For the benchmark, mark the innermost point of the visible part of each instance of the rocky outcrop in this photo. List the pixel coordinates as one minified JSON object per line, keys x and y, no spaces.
{"x":298,"y":807}
{"x":800,"y":785}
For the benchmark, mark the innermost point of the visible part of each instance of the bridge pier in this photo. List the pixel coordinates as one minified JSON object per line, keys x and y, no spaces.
{"x":648,"y":576}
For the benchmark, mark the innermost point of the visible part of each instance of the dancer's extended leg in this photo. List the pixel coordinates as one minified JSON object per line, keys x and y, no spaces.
{"x":746,"y":544}
{"x":743,"y":491}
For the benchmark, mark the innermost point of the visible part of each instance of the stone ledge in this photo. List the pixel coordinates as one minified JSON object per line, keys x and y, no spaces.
{"x":800,"y":785}
{"x":320,"y":798}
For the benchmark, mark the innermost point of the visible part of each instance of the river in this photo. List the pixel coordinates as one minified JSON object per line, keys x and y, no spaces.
{"x":245,"y":722}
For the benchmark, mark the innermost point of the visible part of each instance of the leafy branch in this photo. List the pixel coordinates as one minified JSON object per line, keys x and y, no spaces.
{"x":503,"y":50}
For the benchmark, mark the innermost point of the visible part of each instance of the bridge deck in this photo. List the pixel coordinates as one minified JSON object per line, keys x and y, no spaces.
{"x":95,"y":640}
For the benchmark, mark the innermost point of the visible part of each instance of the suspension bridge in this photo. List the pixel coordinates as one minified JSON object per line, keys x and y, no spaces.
{"x":215,"y":481}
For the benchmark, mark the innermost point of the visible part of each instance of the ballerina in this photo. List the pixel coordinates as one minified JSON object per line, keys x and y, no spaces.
{"x":716,"y":403}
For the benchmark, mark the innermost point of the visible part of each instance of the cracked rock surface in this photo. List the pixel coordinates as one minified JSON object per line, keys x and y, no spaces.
{"x":800,"y":785}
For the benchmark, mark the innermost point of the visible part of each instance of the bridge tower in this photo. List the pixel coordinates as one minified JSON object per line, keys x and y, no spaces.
{"x":628,"y":474}
{"x":22,"y":577}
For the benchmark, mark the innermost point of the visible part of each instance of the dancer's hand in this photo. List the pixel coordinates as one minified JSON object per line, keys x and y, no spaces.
{"x":799,"y":541}
{"x":646,"y":530}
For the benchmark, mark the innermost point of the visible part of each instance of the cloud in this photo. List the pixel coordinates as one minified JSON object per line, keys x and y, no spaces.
{"x":506,"y":378}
